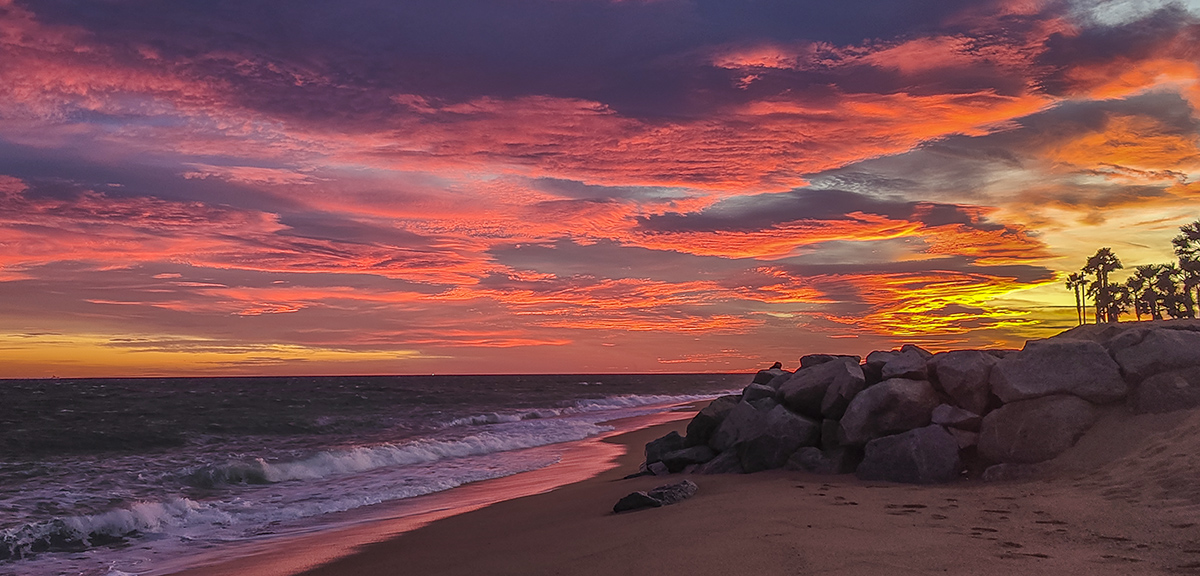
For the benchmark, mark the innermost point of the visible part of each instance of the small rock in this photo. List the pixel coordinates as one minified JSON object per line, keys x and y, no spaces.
{"x":635,"y":501}
{"x":668,"y":443}
{"x":1008,"y":472}
{"x":954,"y":417}
{"x":673,"y":493}
{"x":658,"y":469}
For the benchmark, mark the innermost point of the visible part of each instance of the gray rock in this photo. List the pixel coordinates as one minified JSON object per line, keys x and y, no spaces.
{"x":909,"y":363}
{"x":837,"y":461}
{"x":963,"y":376}
{"x":919,"y":350}
{"x":669,"y":443}
{"x":829,"y":434}
{"x":702,"y":426}
{"x":965,"y":438}
{"x":849,"y":381}
{"x":757,"y":392}
{"x":784,"y":432}
{"x":664,"y":495}
{"x":636,"y":501}
{"x":814,"y":359}
{"x":658,"y":469}
{"x":679,"y":459}
{"x":926,"y":455}
{"x":765,"y":376}
{"x":1161,"y":350}
{"x":1009,"y":472}
{"x":1029,"y":431}
{"x":1167,"y":392}
{"x":890,"y":407}
{"x":743,"y":421}
{"x":724,"y":463}
{"x":764,"y":404}
{"x":1059,"y":366}
{"x":806,"y":391}
{"x":954,"y":417}
{"x":873,"y":366}
{"x":778,"y":381}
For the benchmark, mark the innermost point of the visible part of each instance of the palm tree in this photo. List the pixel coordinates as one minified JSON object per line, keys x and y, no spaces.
{"x":1141,"y":287}
{"x":1077,"y":282}
{"x":1119,"y":299}
{"x":1187,"y":247}
{"x":1177,"y":302}
{"x":1101,"y":264}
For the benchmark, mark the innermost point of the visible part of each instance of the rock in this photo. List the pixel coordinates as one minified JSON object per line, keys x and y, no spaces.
{"x":837,"y":461}
{"x":778,"y":381}
{"x":926,"y":455}
{"x":806,"y":391}
{"x":814,"y":359}
{"x":679,"y":459}
{"x":1029,"y":431}
{"x":764,"y":404}
{"x":669,"y":443}
{"x":1161,"y":350}
{"x":757,"y":392}
{"x":765,"y":376}
{"x":954,"y":417}
{"x":849,"y":381}
{"x":963,"y":376}
{"x":965,"y":438}
{"x":742,"y":422}
{"x":658,"y":469}
{"x":636,"y":501}
{"x":661,"y":496}
{"x":890,"y":407}
{"x":702,"y":426}
{"x":1008,"y":472}
{"x":909,"y":363}
{"x":1167,"y":392}
{"x":873,"y":367}
{"x":783,"y":433}
{"x":1058,"y":366}
{"x":829,"y":434}
{"x":724,"y":463}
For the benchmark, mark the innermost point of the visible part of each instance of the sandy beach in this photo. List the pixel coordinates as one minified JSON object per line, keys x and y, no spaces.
{"x":1123,"y":501}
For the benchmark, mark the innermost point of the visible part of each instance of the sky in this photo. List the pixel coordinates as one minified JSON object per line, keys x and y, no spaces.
{"x":573,"y":186}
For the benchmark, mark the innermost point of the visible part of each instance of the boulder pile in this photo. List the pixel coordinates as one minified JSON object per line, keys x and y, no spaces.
{"x":911,"y":416}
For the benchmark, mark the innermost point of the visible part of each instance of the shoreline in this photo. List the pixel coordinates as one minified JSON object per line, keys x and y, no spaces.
{"x":582,"y":461}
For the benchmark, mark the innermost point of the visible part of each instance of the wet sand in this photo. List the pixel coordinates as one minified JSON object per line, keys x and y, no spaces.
{"x":1123,"y":501}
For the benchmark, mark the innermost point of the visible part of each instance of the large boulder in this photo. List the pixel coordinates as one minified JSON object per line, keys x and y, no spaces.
{"x":782,"y":433}
{"x":765,"y":376}
{"x":927,"y":455}
{"x":669,"y":443}
{"x":1168,"y":391}
{"x":814,"y":359}
{"x":757,"y":392}
{"x":842,"y":460}
{"x":724,"y":463}
{"x":909,"y":363}
{"x":704,"y":423}
{"x":677,"y":460}
{"x":963,"y":376}
{"x":1161,"y":350}
{"x":1058,"y":366}
{"x":890,"y":407}
{"x":806,"y":390}
{"x":1029,"y":431}
{"x":848,"y":382}
{"x":743,"y":421}
{"x":873,"y":366}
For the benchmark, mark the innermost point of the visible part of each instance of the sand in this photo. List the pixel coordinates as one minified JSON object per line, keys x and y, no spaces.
{"x":1125,"y":500}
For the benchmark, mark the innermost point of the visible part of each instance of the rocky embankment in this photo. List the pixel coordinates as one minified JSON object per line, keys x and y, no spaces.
{"x":911,"y":416}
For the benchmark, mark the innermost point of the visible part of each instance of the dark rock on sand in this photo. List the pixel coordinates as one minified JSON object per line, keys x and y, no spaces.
{"x":954,"y":417}
{"x":890,"y":407}
{"x":672,"y":493}
{"x":1053,"y":366}
{"x":677,"y":460}
{"x":805,"y":392}
{"x":1008,"y":472}
{"x":1167,"y":392}
{"x":1034,"y":430}
{"x":963,"y":376}
{"x":757,"y":392}
{"x":704,"y":423}
{"x":781,"y":434}
{"x":636,"y":501}
{"x":1161,"y":350}
{"x":841,"y":460}
{"x":926,"y":455}
{"x":658,"y":469}
{"x":724,"y":463}
{"x":742,"y":422}
{"x":669,"y":443}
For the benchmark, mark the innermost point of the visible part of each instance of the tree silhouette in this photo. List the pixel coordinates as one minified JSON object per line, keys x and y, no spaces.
{"x":1175,"y":301}
{"x":1076,"y":281}
{"x":1187,"y":248}
{"x":1141,"y":288}
{"x":1101,"y":264}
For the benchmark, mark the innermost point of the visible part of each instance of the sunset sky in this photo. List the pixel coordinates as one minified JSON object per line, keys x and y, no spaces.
{"x":441,"y":186}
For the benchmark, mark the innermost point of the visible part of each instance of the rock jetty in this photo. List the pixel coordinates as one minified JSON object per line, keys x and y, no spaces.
{"x":910,"y":416}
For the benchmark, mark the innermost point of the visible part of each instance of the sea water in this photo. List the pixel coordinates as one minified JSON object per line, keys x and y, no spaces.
{"x":121,"y":476}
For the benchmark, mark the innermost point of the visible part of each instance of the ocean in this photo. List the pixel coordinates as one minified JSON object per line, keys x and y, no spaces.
{"x":110,"y":477}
